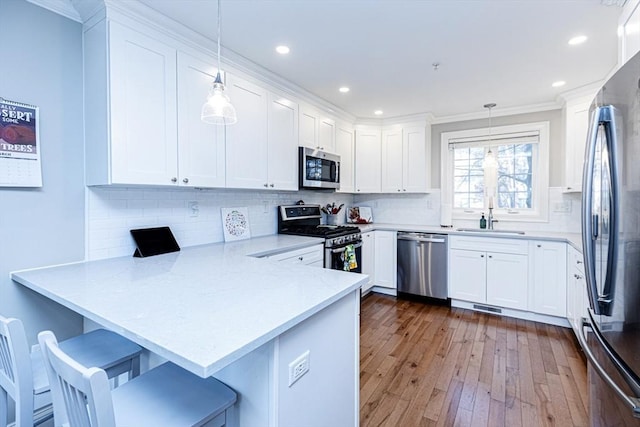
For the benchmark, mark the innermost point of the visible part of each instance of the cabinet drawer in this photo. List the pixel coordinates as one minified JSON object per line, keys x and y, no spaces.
{"x":490,"y":244}
{"x":306,"y":256}
{"x":575,"y":259}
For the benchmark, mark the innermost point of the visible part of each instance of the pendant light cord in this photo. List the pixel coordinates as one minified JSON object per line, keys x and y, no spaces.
{"x":219,"y":38}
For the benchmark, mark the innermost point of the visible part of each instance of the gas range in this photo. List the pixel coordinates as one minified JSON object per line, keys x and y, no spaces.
{"x":304,"y":220}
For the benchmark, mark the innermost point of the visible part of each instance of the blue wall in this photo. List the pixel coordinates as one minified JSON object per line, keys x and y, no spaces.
{"x":42,"y":65}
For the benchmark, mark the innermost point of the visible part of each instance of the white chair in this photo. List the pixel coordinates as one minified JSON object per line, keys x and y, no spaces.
{"x":24,"y":379}
{"x":166,"y":396}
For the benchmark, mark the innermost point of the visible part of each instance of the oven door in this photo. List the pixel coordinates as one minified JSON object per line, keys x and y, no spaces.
{"x":334,"y":258}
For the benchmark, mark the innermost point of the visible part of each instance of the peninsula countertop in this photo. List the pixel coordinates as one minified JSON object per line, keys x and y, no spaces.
{"x":203,"y":307}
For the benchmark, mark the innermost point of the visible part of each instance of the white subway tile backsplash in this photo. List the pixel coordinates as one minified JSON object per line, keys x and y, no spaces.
{"x":112,"y":212}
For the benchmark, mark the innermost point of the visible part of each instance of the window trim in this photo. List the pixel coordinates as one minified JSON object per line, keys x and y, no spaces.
{"x":540,"y":211}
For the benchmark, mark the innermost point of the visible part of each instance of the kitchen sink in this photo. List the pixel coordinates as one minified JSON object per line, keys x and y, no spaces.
{"x":486,"y":230}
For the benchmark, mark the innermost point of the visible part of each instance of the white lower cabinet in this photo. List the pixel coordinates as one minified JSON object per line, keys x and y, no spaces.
{"x":313,"y":256}
{"x":577,"y":299}
{"x":498,"y":276}
{"x":368,"y":259}
{"x":385,"y":260}
{"x":507,"y":280}
{"x":548,"y":277}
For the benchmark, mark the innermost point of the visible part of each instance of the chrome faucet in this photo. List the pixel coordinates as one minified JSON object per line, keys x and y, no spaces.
{"x":491,"y":220}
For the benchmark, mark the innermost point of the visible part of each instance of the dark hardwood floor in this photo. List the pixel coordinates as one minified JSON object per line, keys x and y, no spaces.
{"x":423,"y":365}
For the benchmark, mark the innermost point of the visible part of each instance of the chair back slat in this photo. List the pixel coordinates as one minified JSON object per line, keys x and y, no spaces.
{"x":16,"y":376}
{"x":84,"y":392}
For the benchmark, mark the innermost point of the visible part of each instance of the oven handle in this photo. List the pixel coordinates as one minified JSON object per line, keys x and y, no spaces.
{"x":341,"y":249}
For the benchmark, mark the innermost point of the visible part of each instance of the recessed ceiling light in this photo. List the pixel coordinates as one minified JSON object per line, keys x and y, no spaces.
{"x":559,"y":83}
{"x":283,"y":50}
{"x":344,"y":89}
{"x":577,"y":40}
{"x":378,"y":112}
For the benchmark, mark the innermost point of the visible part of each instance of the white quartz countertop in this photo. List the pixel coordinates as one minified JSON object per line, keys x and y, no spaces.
{"x":574,"y":239}
{"x":203,"y":307}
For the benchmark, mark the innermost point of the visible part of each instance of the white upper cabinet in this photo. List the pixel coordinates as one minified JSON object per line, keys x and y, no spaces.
{"x":368,"y":160}
{"x":201,"y":156}
{"x":346,"y":149}
{"x":246,"y":147}
{"x":576,"y":128}
{"x":405,"y":160}
{"x":392,"y":159}
{"x":282,"y":139}
{"x":261,"y":148}
{"x":317,"y":131}
{"x":416,"y":160}
{"x":629,"y":31}
{"x":131,"y":103}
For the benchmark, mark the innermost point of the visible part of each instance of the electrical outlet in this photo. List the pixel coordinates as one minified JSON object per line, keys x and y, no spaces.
{"x":298,"y":367}
{"x":265,"y":207}
{"x":562,"y":207}
{"x":194,"y":209}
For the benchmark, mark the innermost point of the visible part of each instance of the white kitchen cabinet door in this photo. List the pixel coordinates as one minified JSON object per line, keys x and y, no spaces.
{"x":143,"y":118}
{"x":246,"y":142}
{"x":282,"y":143}
{"x":416,"y":160}
{"x":385,"y":259}
{"x":467,"y":275}
{"x":368,"y":160}
{"x":391,"y":161}
{"x":577,"y":124}
{"x":201,"y":146}
{"x":327,"y":134}
{"x":317,"y":131}
{"x":548,"y":262}
{"x":368,"y":259}
{"x":507,"y":278}
{"x":346,"y":149}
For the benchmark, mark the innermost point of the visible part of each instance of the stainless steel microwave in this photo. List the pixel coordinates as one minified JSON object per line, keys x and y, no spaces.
{"x":318,"y":169}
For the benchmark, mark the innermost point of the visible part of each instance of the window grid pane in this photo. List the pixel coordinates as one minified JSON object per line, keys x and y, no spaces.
{"x":515,"y":176}
{"x":468,"y":177}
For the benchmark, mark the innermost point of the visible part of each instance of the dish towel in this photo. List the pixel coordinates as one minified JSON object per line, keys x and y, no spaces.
{"x":349,"y":258}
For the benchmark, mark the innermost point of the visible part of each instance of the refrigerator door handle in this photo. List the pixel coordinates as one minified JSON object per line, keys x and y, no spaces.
{"x":601,"y":304}
{"x":631,"y":401}
{"x":588,"y":239}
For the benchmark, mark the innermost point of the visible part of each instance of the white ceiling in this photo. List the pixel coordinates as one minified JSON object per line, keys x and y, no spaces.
{"x":503,"y":51}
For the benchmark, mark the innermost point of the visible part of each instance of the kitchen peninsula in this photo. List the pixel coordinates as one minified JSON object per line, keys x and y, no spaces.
{"x":219,"y":310}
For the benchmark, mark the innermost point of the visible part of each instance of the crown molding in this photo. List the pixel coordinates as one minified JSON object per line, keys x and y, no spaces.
{"x":61,"y":7}
{"x":585,"y":91}
{"x":499,"y":112}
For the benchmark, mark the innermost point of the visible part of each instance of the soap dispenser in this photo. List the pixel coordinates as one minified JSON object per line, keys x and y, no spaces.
{"x":483,"y":222}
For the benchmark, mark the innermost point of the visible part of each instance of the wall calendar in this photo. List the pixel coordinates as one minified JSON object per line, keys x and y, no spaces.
{"x":19,"y":145}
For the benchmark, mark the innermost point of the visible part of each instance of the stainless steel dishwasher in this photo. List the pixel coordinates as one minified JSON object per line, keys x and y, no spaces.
{"x":422,"y":265}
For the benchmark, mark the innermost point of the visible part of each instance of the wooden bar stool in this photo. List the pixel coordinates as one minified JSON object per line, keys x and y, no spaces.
{"x":24,"y":379}
{"x":164,"y":396}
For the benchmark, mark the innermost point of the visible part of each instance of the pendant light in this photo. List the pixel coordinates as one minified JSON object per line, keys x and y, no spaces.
{"x":490,"y":165}
{"x":218,"y":109}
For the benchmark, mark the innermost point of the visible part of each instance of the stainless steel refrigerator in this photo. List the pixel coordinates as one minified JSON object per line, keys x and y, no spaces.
{"x":611,"y":248}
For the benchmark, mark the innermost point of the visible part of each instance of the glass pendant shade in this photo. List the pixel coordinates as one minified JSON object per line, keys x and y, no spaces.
{"x":218,"y":109}
{"x":490,"y":167}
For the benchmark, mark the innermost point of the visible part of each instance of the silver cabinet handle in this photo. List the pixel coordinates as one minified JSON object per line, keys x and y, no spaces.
{"x":174,"y":179}
{"x":271,"y":185}
{"x":482,"y":256}
{"x":185,"y":180}
{"x":631,"y":401}
{"x":266,"y":185}
{"x":490,"y":256}
{"x":539,"y":246}
{"x":301,"y":258}
{"x":578,"y":262}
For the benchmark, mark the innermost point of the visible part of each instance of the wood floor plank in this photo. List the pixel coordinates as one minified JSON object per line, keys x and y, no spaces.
{"x":426,"y":365}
